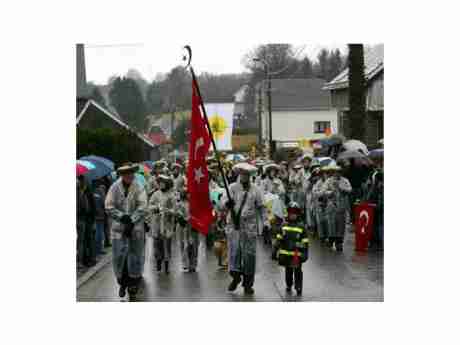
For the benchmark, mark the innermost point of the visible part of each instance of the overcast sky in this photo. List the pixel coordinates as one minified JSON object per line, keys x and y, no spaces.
{"x":105,"y":60}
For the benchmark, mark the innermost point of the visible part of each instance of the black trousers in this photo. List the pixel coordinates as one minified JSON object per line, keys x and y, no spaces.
{"x":248,"y":279}
{"x":126,"y":280}
{"x":294,"y":274}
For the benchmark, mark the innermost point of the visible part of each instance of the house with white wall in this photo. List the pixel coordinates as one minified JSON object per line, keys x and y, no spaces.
{"x":301,"y":110}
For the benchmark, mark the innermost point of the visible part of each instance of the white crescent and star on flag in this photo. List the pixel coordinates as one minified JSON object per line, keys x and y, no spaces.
{"x":198,"y":173}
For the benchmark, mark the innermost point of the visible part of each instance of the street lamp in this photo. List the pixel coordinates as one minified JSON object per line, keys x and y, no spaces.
{"x":269,"y":98}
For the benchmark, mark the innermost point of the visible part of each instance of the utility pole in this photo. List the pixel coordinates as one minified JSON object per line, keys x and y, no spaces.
{"x":269,"y":100}
{"x":260,"y":113}
{"x":269,"y":95}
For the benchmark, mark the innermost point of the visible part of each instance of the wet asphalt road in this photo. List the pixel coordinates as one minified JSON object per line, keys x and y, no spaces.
{"x":328,"y":276}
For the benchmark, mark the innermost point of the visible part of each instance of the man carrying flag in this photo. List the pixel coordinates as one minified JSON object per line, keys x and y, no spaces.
{"x":247,"y":200}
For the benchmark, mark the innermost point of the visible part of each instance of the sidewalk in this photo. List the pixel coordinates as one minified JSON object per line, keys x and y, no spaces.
{"x":86,"y":273}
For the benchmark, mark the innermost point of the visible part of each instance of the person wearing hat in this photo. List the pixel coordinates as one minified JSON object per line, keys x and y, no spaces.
{"x":292,"y":244}
{"x":178,"y":177}
{"x":272,"y":183}
{"x":337,"y":189}
{"x":126,"y":205}
{"x":189,"y":237}
{"x":319,"y":204}
{"x":152,"y":183}
{"x":245,"y":200}
{"x":162,"y":209}
{"x":310,"y":209}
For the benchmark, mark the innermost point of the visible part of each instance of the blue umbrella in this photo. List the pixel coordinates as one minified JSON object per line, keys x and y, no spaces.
{"x":103,"y":167}
{"x":102,"y":160}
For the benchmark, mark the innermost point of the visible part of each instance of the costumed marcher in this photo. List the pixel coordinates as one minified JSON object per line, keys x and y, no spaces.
{"x":245,"y":200}
{"x":190,"y":236}
{"x":272,"y":185}
{"x":319,"y":202}
{"x":126,"y":205}
{"x":152,"y":182}
{"x":336,"y":189}
{"x":310,"y":207}
{"x":162,"y":209}
{"x":178,"y":177}
{"x":293,"y":248}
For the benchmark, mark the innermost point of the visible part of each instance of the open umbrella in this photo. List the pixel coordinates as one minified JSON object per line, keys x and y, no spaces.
{"x":102,"y":160}
{"x":81,"y":169}
{"x":86,"y":164}
{"x":351,"y":154}
{"x":144,"y":169}
{"x":100,"y":169}
{"x":335,"y":139}
{"x":355,"y":145}
{"x":378,"y":153}
{"x":235,"y":157}
{"x":139,"y":178}
{"x":149,"y":164}
{"x":245,"y":166}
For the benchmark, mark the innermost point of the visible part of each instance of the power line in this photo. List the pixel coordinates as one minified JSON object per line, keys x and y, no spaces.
{"x":114,"y":45}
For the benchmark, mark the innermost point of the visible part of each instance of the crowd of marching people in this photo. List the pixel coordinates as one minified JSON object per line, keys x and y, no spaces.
{"x":287,"y":204}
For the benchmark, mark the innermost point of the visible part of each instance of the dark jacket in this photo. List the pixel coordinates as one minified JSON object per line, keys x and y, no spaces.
{"x":85,"y":205}
{"x":293,"y":245}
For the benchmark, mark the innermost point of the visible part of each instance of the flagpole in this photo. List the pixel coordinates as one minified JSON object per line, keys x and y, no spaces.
{"x":221,"y":170}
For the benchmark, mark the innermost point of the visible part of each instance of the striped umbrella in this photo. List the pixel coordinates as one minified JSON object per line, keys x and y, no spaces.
{"x":86,"y":164}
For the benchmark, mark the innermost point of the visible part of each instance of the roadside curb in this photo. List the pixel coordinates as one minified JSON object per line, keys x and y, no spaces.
{"x":93,"y":270}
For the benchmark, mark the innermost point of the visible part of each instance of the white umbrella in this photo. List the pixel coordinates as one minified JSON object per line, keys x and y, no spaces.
{"x":356,"y":145}
{"x":245,"y":166}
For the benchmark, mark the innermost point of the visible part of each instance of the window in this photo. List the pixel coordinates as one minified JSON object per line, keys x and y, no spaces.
{"x":320,"y":126}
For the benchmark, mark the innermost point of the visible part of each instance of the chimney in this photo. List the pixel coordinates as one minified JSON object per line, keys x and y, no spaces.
{"x":81,"y":72}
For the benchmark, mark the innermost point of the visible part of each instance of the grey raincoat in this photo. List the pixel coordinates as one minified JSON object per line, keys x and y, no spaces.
{"x":242,"y":242}
{"x":336,"y":190}
{"x":123,"y":248}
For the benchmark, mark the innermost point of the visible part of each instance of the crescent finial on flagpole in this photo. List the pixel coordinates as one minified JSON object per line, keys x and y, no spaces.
{"x":187,"y":57}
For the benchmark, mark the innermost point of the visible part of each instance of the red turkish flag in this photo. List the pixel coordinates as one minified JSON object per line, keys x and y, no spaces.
{"x":364,"y":222}
{"x":197,"y":173}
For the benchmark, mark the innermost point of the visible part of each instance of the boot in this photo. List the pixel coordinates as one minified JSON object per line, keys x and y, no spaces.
{"x":299,"y":292}
{"x":247,"y":283}
{"x":249,"y":290}
{"x":339,"y":247}
{"x":236,"y":280}
{"x":132,"y":291}
{"x":167,"y":267}
{"x":289,"y":289}
{"x":159,"y":265}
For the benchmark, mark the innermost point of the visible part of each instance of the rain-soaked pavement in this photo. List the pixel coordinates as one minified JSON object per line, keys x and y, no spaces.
{"x":328,"y":276}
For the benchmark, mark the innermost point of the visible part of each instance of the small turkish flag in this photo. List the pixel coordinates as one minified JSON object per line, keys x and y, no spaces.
{"x":364,"y":222}
{"x":197,"y":173}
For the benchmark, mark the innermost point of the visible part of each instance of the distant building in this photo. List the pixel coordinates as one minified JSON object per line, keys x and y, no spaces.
{"x":94,"y":116}
{"x":301,"y":110}
{"x":373,"y":73}
{"x":91,"y":115}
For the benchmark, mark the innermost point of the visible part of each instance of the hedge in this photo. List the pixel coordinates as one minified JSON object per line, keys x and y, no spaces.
{"x":119,"y":146}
